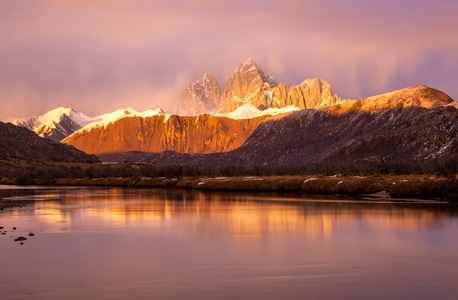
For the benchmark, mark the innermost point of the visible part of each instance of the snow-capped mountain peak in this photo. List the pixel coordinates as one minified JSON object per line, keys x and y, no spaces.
{"x":201,"y":96}
{"x":105,"y":119}
{"x":61,"y":122}
{"x":51,"y":116}
{"x":55,"y":124}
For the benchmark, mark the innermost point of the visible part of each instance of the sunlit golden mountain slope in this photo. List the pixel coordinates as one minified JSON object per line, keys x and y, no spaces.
{"x":204,"y":133}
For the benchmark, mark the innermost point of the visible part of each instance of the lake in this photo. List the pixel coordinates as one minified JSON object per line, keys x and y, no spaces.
{"x":125,"y":243}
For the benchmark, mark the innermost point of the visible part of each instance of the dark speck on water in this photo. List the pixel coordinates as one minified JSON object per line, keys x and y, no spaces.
{"x":20,"y":239}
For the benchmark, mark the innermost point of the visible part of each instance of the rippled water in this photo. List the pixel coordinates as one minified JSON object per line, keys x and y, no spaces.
{"x":118,"y":243}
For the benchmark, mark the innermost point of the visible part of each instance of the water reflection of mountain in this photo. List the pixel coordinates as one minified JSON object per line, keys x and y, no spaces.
{"x":212,"y":213}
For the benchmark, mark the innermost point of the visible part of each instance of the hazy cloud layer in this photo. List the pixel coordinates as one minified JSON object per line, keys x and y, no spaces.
{"x":100,"y":55}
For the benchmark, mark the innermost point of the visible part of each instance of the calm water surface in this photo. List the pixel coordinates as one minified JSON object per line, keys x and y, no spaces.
{"x":114,"y":243}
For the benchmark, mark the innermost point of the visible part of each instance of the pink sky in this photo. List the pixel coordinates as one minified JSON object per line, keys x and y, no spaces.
{"x":101,"y":55}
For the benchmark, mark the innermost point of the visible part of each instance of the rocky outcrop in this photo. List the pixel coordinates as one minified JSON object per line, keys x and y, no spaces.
{"x":249,"y":84}
{"x":316,"y":136}
{"x":311,"y":93}
{"x":201,"y":96}
{"x":205,"y":133}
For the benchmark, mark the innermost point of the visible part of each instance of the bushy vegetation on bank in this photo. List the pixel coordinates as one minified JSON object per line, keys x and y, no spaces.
{"x":45,"y":172}
{"x":364,"y":178}
{"x":397,"y":186}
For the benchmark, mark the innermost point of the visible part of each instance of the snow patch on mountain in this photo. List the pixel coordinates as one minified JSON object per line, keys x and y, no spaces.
{"x":249,"y":111}
{"x":106,"y":119}
{"x":166,"y":118}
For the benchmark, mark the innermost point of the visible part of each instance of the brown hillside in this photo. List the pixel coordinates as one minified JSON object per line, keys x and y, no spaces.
{"x":18,"y":143}
{"x":204,"y":133}
{"x":415,"y":96}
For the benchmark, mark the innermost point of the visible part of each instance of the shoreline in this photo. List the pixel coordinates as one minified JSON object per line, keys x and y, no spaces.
{"x":8,"y":205}
{"x":392,"y":186}
{"x":425,"y":187}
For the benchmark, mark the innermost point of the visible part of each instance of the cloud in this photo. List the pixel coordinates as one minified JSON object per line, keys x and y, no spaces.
{"x":142,"y":54}
{"x":74,"y":1}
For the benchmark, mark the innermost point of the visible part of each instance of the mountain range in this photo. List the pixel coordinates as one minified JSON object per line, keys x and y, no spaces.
{"x":257,"y":121}
{"x":414,"y":124}
{"x":61,"y":122}
{"x":317,"y":141}
{"x":247,"y":86}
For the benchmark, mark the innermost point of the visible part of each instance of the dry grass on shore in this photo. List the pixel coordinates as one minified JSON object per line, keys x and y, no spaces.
{"x":399,"y":186}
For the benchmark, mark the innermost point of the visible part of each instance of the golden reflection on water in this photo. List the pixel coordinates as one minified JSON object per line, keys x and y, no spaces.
{"x":240,"y":216}
{"x":176,"y":244}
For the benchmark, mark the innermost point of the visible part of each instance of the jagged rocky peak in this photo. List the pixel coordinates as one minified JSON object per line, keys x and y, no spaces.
{"x":312,"y":93}
{"x":201,"y":96}
{"x":250,"y":68}
{"x":248,"y":84}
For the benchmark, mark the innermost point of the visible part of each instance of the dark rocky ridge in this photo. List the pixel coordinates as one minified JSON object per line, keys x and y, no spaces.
{"x":319,"y":136}
{"x":23,"y":144}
